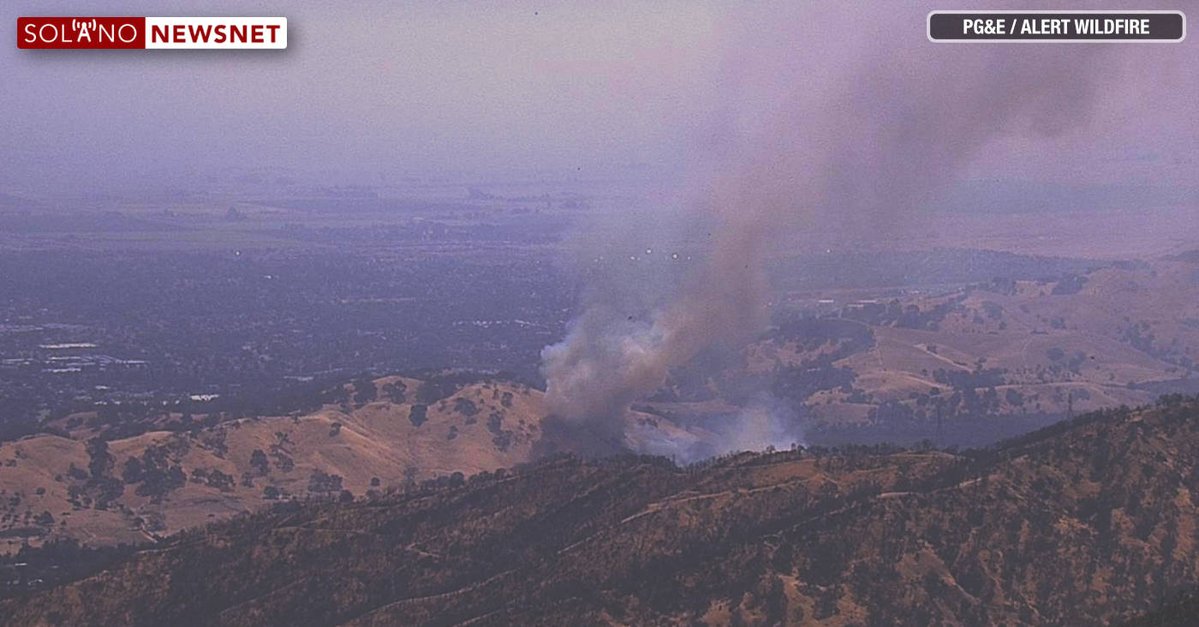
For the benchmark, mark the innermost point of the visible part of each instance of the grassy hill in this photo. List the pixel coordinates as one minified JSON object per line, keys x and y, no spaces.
{"x":1117,"y":335}
{"x":1087,"y":522}
{"x":139,"y":488}
{"x":382,"y":434}
{"x":987,"y":361}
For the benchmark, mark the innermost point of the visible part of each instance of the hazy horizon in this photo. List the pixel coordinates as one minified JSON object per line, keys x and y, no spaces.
{"x":370,"y":94}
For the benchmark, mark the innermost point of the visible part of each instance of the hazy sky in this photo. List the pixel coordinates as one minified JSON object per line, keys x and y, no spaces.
{"x":419,"y":87}
{"x":495,"y":87}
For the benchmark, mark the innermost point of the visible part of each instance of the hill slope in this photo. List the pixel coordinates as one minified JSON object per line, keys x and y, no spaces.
{"x":131,"y":489}
{"x":1118,"y":335}
{"x":1086,"y":522}
{"x":82,"y":485}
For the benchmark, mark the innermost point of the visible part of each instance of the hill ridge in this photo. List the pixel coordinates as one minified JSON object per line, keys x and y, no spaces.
{"x":848,"y":536}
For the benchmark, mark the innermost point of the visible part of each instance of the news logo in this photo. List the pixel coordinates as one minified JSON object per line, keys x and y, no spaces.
{"x":1057,"y":26}
{"x":152,"y":33}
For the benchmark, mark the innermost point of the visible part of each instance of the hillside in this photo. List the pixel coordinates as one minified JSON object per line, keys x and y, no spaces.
{"x":986,"y":361}
{"x":1122,"y":334}
{"x":1179,"y":612}
{"x":1085,"y":522}
{"x":81,"y":484}
{"x":143,"y":487}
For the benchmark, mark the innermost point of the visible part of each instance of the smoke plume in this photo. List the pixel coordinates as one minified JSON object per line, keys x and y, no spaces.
{"x":845,"y":119}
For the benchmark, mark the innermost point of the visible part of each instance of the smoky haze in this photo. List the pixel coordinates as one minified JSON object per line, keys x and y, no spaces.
{"x":372,"y":91}
{"x":785,"y":120}
{"x":366,"y":91}
{"x":854,"y":128}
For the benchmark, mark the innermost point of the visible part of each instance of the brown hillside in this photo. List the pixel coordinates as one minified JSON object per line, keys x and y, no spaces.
{"x":1119,"y":335}
{"x":1084,"y":523}
{"x":142,"y":488}
{"x":242,"y":465}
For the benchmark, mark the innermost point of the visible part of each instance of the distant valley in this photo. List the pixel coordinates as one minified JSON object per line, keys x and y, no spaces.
{"x":966,"y":367}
